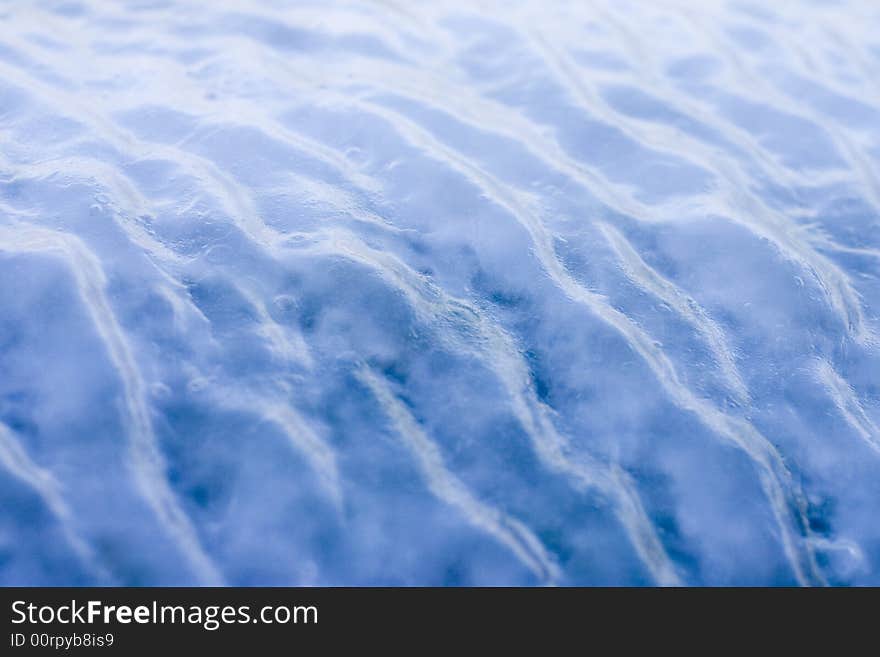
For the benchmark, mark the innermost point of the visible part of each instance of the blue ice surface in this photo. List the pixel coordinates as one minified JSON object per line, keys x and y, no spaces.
{"x":446,"y":293}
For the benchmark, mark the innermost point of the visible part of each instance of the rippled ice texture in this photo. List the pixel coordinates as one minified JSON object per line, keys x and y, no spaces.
{"x":440,"y":293}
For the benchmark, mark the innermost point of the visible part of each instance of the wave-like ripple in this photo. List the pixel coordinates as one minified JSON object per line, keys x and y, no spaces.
{"x":364,"y":293}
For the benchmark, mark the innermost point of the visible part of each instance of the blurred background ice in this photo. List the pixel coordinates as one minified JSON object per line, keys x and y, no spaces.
{"x":439,"y":293}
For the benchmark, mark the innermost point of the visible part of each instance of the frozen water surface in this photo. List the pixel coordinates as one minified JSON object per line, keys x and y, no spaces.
{"x":440,"y":293}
